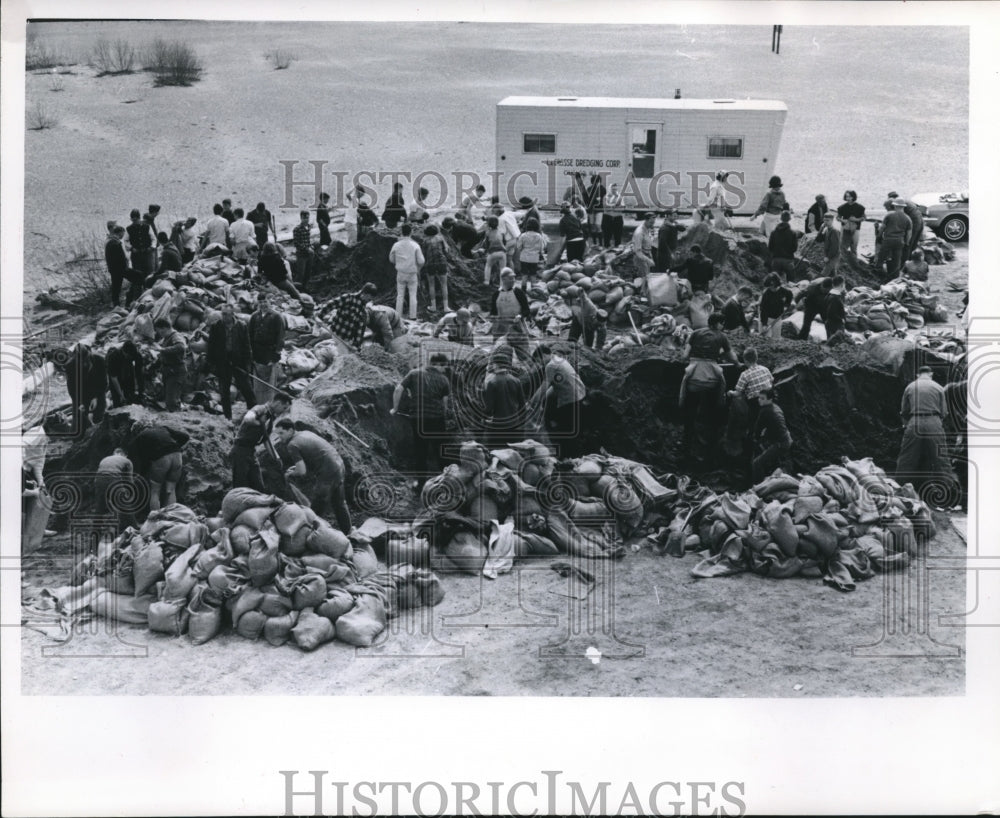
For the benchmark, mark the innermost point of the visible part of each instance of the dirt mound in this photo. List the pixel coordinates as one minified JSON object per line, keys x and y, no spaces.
{"x":346,"y":268}
{"x":836,"y":403}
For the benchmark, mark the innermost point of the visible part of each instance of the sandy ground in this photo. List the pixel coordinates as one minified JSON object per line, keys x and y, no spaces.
{"x":660,"y":631}
{"x":416,"y":98}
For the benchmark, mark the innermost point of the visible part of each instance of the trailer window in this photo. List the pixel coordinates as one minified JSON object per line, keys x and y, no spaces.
{"x":539,"y":143}
{"x":725,"y":147}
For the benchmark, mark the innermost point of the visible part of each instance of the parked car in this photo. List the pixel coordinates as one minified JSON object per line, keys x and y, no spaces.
{"x":947,"y":214}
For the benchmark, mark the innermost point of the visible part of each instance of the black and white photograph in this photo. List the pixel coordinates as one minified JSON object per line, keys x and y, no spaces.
{"x":557,"y":408}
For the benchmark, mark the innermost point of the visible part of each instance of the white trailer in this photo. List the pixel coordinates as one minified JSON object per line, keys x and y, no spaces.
{"x":661,"y":152}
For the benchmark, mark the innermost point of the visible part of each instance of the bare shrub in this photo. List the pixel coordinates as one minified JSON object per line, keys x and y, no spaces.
{"x":39,"y":117}
{"x":41,"y":57}
{"x":280,"y":58}
{"x":56,"y":82}
{"x":113,"y":57}
{"x":84,"y":278}
{"x":173,"y":63}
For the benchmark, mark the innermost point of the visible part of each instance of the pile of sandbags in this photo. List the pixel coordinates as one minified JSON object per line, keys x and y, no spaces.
{"x":497,"y":506}
{"x":898,"y":304}
{"x":841,"y":524}
{"x":271,"y":569}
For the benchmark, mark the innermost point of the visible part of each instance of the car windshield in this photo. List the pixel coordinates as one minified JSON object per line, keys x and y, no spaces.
{"x":963,"y":196}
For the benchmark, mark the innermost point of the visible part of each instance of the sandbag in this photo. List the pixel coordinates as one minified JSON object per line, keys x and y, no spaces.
{"x":288,"y":518}
{"x":184,"y":535}
{"x":364,"y":561}
{"x":251,"y":625}
{"x":500,"y":550}
{"x":413,"y":551}
{"x":133,"y":610}
{"x":254,"y":518}
{"x":430,"y":587}
{"x":239,"y":500}
{"x":219,"y":554}
{"x":274,"y":602}
{"x":297,"y":544}
{"x":338,"y":602}
{"x":239,"y":538}
{"x":662,"y":290}
{"x":147,"y":568}
{"x":308,"y":591}
{"x":622,"y":501}
{"x":588,"y":511}
{"x":169,"y":616}
{"x":204,"y":614}
{"x":329,"y":541}
{"x":320,"y":562}
{"x":538,"y":545}
{"x":180,"y":578}
{"x":822,"y":533}
{"x":733,"y":511}
{"x":278,"y":629}
{"x":466,"y":552}
{"x":228,"y":580}
{"x":262,"y":560}
{"x":804,"y":505}
{"x":699,"y":309}
{"x":778,"y":522}
{"x":363,"y":623}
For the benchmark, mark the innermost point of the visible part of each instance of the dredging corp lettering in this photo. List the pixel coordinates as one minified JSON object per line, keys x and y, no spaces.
{"x":305,"y":796}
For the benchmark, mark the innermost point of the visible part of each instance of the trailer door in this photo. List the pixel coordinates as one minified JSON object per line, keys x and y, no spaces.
{"x":644,"y":148}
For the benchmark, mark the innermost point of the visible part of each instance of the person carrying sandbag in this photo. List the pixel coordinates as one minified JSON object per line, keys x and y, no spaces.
{"x":307,"y":454}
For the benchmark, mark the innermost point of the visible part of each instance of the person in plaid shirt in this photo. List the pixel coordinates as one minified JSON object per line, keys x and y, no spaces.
{"x":351,"y":316}
{"x":752,"y":381}
{"x":301,"y":235}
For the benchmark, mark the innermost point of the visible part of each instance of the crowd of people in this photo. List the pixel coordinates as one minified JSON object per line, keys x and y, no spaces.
{"x":519,"y":389}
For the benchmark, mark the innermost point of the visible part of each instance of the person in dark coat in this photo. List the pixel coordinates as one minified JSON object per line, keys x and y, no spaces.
{"x":813,"y":304}
{"x":815,"y":213}
{"x":463,"y":233}
{"x":395,"y":208}
{"x":170,"y":259}
{"x":126,"y":371}
{"x":229,"y":357}
{"x":834,"y":309}
{"x":783,"y":243}
{"x":666,"y":239}
{"x":173,"y":368}
{"x":119,"y":268}
{"x":734,"y":311}
{"x":774,"y":442}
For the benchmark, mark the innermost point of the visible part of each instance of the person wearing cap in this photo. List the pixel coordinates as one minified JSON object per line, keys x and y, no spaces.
{"x":896,"y":231}
{"x":429,"y":393}
{"x":830,"y":236}
{"x":572,"y":231}
{"x":783,"y":243}
{"x":771,"y":205}
{"x":642,"y":245}
{"x":347,"y":314}
{"x":815,"y":213}
{"x":923,"y":451}
{"x":851,"y":215}
{"x":666,"y":239}
{"x":229,"y":356}
{"x":912,"y":212}
{"x":267,"y":339}
{"x":457,"y":327}
{"x":275,"y":270}
{"x":511,"y":311}
{"x":530,"y":250}
{"x":584,"y":316}
{"x":698,"y":269}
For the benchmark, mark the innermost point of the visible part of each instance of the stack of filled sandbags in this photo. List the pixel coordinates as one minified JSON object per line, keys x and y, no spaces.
{"x":270,"y":568}
{"x":841,"y":524}
{"x":497,"y":506}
